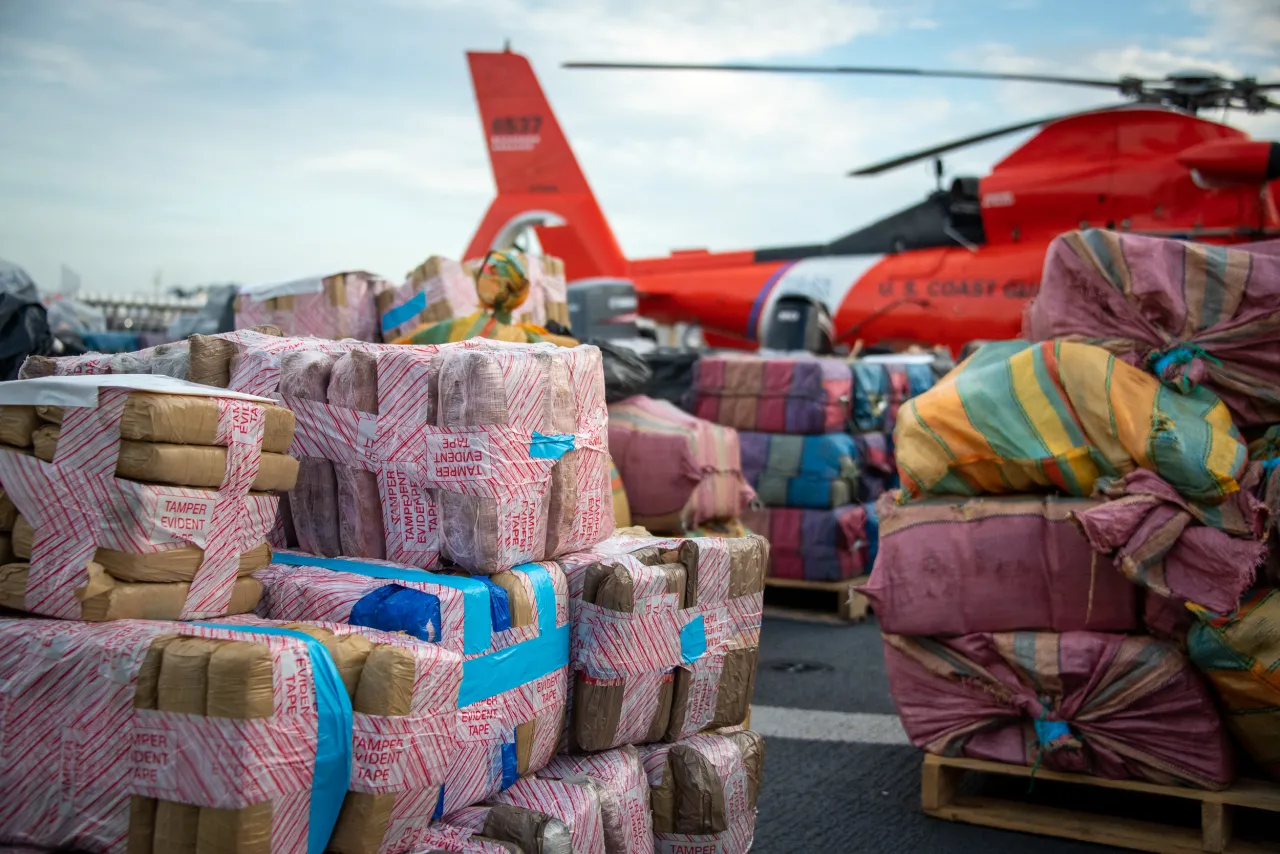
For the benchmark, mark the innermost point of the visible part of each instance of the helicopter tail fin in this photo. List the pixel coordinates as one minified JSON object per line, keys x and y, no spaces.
{"x":538,"y":178}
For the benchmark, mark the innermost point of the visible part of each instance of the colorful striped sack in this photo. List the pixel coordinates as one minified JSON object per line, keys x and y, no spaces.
{"x":1240,"y":654}
{"x":877,"y":471}
{"x":1190,"y":313}
{"x":953,"y":566}
{"x":814,"y":545}
{"x":778,"y":394}
{"x":880,"y":388}
{"x":1117,"y":706}
{"x":800,"y":471}
{"x":678,"y":471}
{"x":1019,"y":417}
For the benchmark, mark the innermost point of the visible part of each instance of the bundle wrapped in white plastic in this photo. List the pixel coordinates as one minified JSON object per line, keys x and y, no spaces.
{"x":623,"y":793}
{"x":339,"y":306}
{"x":511,"y":629}
{"x":703,"y":791}
{"x":139,"y":498}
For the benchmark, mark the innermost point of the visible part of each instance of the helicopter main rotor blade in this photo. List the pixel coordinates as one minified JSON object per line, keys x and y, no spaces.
{"x":924,"y":154}
{"x":847,"y":69}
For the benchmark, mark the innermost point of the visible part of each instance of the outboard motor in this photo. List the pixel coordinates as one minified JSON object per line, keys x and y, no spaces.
{"x":603,"y":309}
{"x":798,"y":324}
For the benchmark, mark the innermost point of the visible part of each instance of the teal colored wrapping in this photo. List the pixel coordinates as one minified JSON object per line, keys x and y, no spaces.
{"x":402,"y":313}
{"x":693,"y":640}
{"x":477,"y":627}
{"x":333,"y":734}
{"x":495,"y":673}
{"x":550,"y":447}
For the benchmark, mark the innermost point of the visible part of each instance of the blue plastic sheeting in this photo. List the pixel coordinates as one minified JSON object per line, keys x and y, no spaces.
{"x":477,"y":627}
{"x":395,"y":608}
{"x":334,"y":735}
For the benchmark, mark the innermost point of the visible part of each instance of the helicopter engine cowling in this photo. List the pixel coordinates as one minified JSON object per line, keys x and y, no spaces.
{"x":1222,"y":162}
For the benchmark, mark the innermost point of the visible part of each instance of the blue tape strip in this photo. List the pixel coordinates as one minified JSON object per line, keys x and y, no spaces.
{"x":693,"y":640}
{"x":394,"y":608}
{"x":1269,"y":465}
{"x":510,"y":765}
{"x":334,"y":735}
{"x":476,"y":627}
{"x":404,"y":312}
{"x":498,"y":672}
{"x":550,"y":447}
{"x":499,"y":604}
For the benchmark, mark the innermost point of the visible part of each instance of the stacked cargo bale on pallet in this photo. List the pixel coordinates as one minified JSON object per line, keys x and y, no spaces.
{"x":456,"y":679}
{"x":1080,"y":513}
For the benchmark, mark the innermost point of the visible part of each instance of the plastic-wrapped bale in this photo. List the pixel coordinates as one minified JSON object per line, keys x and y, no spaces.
{"x":404,"y":696}
{"x":510,"y":828}
{"x":510,"y":715}
{"x":1117,"y":706}
{"x":202,"y":737}
{"x":1193,"y":314}
{"x":679,"y":471}
{"x":880,"y":388}
{"x":313,"y":502}
{"x":814,"y":545}
{"x":527,"y":403}
{"x":353,"y":384}
{"x":777,"y":394}
{"x":800,"y":471}
{"x":437,"y":289}
{"x":336,"y":307}
{"x":704,"y":789}
{"x":877,"y":470}
{"x":576,"y":802}
{"x":110,"y":518}
{"x":623,"y":792}
{"x":166,"y":359}
{"x":652,"y":613}
{"x":953,"y":566}
{"x":1019,"y":417}
{"x":488,"y":454}
{"x":1240,"y":655}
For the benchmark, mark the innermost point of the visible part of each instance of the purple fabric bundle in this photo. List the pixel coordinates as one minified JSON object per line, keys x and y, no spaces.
{"x":779,"y":394}
{"x":1117,"y":706}
{"x":952,"y":566}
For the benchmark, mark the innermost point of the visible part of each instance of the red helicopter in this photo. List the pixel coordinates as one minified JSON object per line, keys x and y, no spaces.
{"x":959,"y":266}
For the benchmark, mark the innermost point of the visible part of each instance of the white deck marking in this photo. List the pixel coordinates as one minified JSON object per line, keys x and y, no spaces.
{"x":813,"y":725}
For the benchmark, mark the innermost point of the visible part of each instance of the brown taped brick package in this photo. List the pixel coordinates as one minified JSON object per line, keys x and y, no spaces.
{"x":519,"y":828}
{"x":354,"y":384}
{"x":202,"y":466}
{"x":213,"y":357}
{"x":704,"y":789}
{"x":178,"y":564}
{"x":17,"y":423}
{"x":737,"y":601}
{"x":313,"y":501}
{"x":642,"y":587}
{"x":150,"y":417}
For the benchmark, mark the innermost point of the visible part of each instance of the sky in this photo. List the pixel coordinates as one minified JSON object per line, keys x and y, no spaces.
{"x":264,"y":140}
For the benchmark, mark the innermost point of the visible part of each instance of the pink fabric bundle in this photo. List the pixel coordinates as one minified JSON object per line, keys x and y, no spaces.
{"x":1117,"y":706}
{"x":952,"y":566}
{"x":1189,"y":312}
{"x":678,"y":471}
{"x":1178,"y":549}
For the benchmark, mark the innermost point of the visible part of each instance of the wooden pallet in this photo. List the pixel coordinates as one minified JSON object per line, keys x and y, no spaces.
{"x":940,"y":779}
{"x":851,"y":606}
